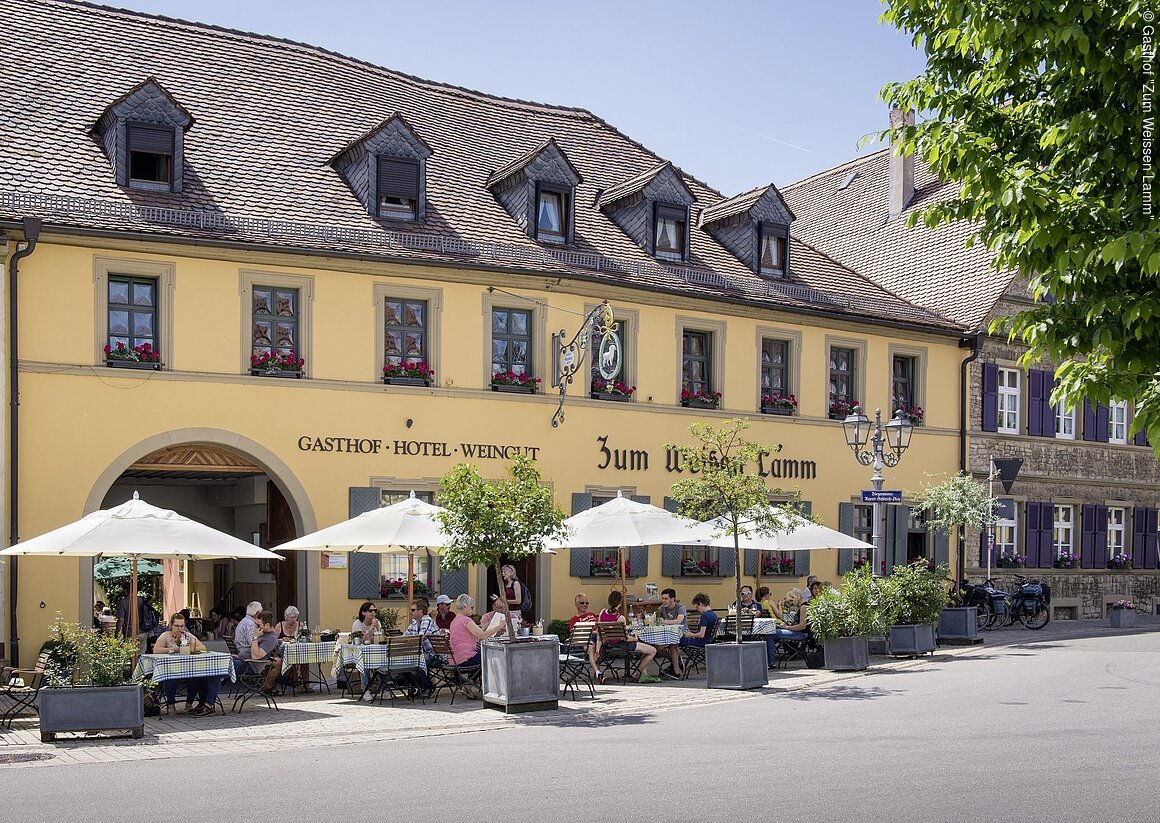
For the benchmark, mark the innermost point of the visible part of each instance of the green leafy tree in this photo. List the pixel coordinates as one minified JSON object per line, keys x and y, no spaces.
{"x":958,"y":501}
{"x":860,"y":609}
{"x":724,"y":486}
{"x":1034,"y":108}
{"x":489,"y":518}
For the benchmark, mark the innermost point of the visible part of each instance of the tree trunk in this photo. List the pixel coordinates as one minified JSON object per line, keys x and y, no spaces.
{"x":737,"y":578}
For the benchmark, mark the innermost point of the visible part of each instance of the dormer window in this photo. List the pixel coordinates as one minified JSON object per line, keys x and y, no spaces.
{"x":772,"y":261}
{"x":672,"y":224}
{"x":398,"y":188}
{"x":151,"y":150}
{"x":551,"y":214}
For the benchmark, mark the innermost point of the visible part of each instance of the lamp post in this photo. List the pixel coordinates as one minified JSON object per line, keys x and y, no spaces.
{"x":874,"y":447}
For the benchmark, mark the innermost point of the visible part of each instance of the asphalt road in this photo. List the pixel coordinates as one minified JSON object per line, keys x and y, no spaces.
{"x":1054,"y":730}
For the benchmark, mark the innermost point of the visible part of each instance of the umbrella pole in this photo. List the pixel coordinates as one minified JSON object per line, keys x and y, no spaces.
{"x":623,"y":582}
{"x":410,"y":580}
{"x":134,"y":628}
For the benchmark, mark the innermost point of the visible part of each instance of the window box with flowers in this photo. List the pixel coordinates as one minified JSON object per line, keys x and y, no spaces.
{"x":1010,"y":560}
{"x":1120,"y":562}
{"x":606,"y":567}
{"x":614,"y":390}
{"x":779,"y":565}
{"x":274,"y":364}
{"x":841,"y":409}
{"x":860,"y":562}
{"x":1066,"y":560}
{"x":397,"y":589}
{"x":691,"y":567}
{"x":914,"y":414}
{"x":778,"y":404}
{"x":700,"y":399}
{"x":512,"y":383}
{"x":408,"y":374}
{"x":138,"y":357}
{"x":1122,"y":614}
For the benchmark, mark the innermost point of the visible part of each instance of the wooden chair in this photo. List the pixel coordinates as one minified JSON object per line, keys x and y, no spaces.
{"x":22,"y":696}
{"x":574,"y":664}
{"x":614,"y":647}
{"x":446,"y":673}
{"x":731,"y":625}
{"x":404,"y":656}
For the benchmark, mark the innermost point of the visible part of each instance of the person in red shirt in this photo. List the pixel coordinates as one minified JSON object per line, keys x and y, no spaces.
{"x":443,"y":613}
{"x":586,"y":615}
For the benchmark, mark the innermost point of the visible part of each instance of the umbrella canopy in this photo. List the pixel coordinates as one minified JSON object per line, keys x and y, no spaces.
{"x":135,"y":529}
{"x":112,"y":568}
{"x":800,"y":535}
{"x":625,"y":522}
{"x":394,"y":529}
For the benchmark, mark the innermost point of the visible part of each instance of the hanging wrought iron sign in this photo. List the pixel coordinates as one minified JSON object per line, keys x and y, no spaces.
{"x":570,"y":356}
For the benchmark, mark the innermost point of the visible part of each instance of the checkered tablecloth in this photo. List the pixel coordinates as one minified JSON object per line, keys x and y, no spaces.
{"x":761,"y":625}
{"x":666,"y":635}
{"x":297,"y":653}
{"x":376,"y":657}
{"x":160,"y":667}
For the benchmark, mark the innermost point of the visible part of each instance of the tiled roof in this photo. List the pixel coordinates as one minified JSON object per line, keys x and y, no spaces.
{"x":738,"y":204}
{"x":270,"y":117}
{"x":633,"y":185}
{"x":503,"y":173}
{"x":929,"y":267}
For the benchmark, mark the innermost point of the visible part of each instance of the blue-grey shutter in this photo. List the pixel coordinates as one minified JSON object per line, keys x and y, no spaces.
{"x":580,"y":560}
{"x":453,"y":582}
{"x":362,"y":571}
{"x":801,"y":560}
{"x":1151,"y":537}
{"x":1087,"y":535}
{"x":897,"y":530}
{"x":990,"y":421}
{"x":845,"y":526}
{"x":637,"y":556}
{"x":1141,"y":438}
{"x":671,"y":554}
{"x":727,"y":562}
{"x":984,"y":542}
{"x":942,"y":547}
{"x":749,"y":562}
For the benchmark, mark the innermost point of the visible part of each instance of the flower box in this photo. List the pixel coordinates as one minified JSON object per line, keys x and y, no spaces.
{"x":1121,"y":618}
{"x":911,"y":639}
{"x":698,"y":403}
{"x":613,"y":396}
{"x":91,"y":709}
{"x":1120,"y":567}
{"x":782,"y":410}
{"x":845,"y":654}
{"x":406,"y":381}
{"x":275,"y":373}
{"x":521,"y":676}
{"x":736,"y":665}
{"x":505,"y":388}
{"x":133,"y":364}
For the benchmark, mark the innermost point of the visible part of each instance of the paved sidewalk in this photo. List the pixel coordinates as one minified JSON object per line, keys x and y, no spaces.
{"x":309,"y":721}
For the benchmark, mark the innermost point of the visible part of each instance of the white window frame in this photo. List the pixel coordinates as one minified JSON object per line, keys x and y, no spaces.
{"x":1008,"y":404}
{"x":1064,"y":422}
{"x":1063,"y":529}
{"x":1117,"y":531}
{"x":1007,"y":535}
{"x":1118,"y":422}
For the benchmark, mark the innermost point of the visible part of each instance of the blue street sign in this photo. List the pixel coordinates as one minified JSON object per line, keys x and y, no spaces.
{"x":884,"y":496}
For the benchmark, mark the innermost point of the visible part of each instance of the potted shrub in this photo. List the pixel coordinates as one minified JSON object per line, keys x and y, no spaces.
{"x":841,"y":409}
{"x":1066,"y":560}
{"x":138,"y":357}
{"x":87,"y":684}
{"x":485,"y":519}
{"x":614,"y":390}
{"x":408,"y":374}
{"x":509,"y":381}
{"x":1010,"y":560}
{"x":700,"y":399}
{"x":912,"y":413}
{"x":844,"y":621}
{"x":778,"y":403}
{"x":1120,"y":562}
{"x":273,"y":364}
{"x":1122,"y":614}
{"x":915,"y":601}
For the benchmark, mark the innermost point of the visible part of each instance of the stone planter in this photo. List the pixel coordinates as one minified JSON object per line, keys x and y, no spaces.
{"x":912,"y":639}
{"x":506,"y":389}
{"x":736,"y":665}
{"x":133,"y":364}
{"x":406,"y":381}
{"x":614,"y":397}
{"x":776,"y":410}
{"x":847,"y":654}
{"x":289,"y":373}
{"x":521,"y":675}
{"x":91,"y":709}
{"x":959,"y":625}
{"x":876,"y":645}
{"x":1121,"y":618}
{"x":699,"y":404}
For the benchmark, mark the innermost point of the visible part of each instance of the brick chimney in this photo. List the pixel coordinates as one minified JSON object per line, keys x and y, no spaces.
{"x":901,"y":168}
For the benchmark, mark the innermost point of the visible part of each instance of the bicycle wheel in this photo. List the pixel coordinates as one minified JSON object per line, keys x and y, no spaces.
{"x":1037,"y":619}
{"x":984,"y":616}
{"x":1006,"y":617}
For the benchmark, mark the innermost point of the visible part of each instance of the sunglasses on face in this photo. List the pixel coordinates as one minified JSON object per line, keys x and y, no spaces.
{"x":582,"y":602}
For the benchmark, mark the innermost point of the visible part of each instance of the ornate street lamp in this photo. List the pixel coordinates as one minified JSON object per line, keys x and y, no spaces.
{"x":872,"y":446}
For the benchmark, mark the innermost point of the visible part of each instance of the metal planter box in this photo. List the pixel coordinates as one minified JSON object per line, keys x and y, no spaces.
{"x":1121,"y":618}
{"x":959,"y":624}
{"x":912,"y":638}
{"x":91,"y":709}
{"x":521,"y":676}
{"x":736,"y":665}
{"x":847,"y":654}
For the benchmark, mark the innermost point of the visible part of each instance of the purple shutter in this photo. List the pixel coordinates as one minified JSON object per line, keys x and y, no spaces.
{"x":1087,"y":536}
{"x":1103,"y":426}
{"x":1141,"y":438}
{"x":1100,"y":538}
{"x":1138,"y":549}
{"x":982,"y":550}
{"x":1150,"y":539}
{"x":1089,"y":421}
{"x":990,"y":420}
{"x":1035,"y":402}
{"x":1031,"y":534}
{"x":1045,"y":408}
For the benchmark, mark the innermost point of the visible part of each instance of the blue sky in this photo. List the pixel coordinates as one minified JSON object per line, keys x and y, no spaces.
{"x":738,"y":93}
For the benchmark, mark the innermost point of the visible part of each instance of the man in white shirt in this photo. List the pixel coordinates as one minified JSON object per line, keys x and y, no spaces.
{"x":244,"y":633}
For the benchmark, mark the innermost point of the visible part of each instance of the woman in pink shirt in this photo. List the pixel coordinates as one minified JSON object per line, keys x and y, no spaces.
{"x":465,"y":635}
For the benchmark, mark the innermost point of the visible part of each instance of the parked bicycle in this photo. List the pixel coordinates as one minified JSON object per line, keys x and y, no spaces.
{"x":983,"y":597}
{"x":1029,"y":605}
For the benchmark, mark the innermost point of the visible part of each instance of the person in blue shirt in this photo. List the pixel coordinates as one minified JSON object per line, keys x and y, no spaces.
{"x":708,"y":628}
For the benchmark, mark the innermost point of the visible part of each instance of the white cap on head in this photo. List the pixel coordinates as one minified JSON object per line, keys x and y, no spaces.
{"x":442,"y":599}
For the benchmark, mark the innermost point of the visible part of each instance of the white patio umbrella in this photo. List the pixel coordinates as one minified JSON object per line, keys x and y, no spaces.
{"x":136,"y":529}
{"x":624,"y":522}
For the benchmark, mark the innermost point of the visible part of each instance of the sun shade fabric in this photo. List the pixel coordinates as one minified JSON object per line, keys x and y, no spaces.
{"x":625,"y":522}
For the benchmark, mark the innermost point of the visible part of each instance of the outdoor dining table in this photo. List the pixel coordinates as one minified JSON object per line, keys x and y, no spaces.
{"x":375,"y":657}
{"x":161,"y":667}
{"x":665,"y":634}
{"x":299,"y":653}
{"x":761,"y":625}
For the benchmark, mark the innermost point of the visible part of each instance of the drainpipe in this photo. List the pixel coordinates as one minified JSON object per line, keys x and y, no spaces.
{"x":31,"y":227}
{"x":975,"y":344}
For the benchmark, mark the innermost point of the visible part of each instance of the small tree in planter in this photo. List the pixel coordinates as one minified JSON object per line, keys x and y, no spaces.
{"x":724,"y":486}
{"x":915,"y":599}
{"x":958,"y":501}
{"x":855,"y":613}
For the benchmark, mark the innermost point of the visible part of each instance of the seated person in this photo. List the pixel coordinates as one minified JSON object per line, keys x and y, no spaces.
{"x":809,"y":590}
{"x":107,"y":620}
{"x":612,"y":615}
{"x":287,"y":629}
{"x":586,"y":615}
{"x":202,"y":689}
{"x":708,"y":630}
{"x":367,"y":623}
{"x":265,"y":646}
{"x":465,"y":636}
{"x":443,"y":613}
{"x":421,"y":624}
{"x":672,"y":613}
{"x":496,"y":615}
{"x":747,"y":602}
{"x":795,"y":616}
{"x":769,"y":606}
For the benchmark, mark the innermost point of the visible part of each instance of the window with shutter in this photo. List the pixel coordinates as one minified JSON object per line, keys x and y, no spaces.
{"x":151,"y":151}
{"x":398,"y":188}
{"x":671,"y":229}
{"x":1007,"y":401}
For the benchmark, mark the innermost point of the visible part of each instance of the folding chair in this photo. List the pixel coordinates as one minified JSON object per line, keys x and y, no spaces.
{"x":251,"y":682}
{"x":22,"y":696}
{"x":403,"y":659}
{"x":574,"y":664}
{"x":731,"y":626}
{"x":447,"y":674}
{"x":694,"y":655}
{"x":614,"y":647}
